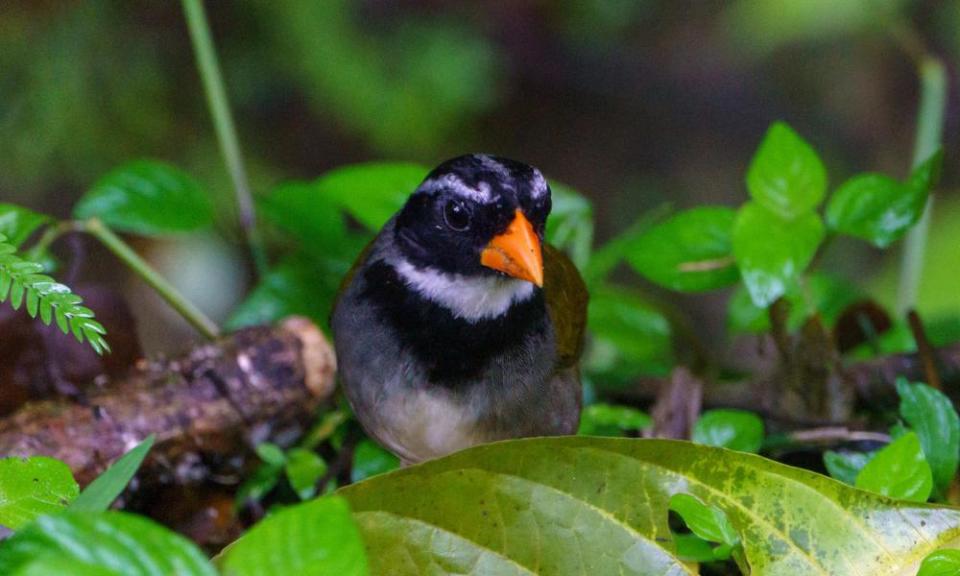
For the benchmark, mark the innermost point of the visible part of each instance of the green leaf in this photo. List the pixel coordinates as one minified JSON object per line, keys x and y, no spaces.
{"x":898,"y":430}
{"x":827,"y":295}
{"x":271,"y":454}
{"x":630,"y":336}
{"x":31,"y":487}
{"x":689,"y":252}
{"x":941,"y":563}
{"x":772,"y":252}
{"x":263,"y":480}
{"x":317,"y":538}
{"x":707,"y":522}
{"x":56,"y":566}
{"x":693,"y":548}
{"x":932,"y":416}
{"x":846,"y":466}
{"x":304,"y":212}
{"x":114,"y":542}
{"x":556,"y":505}
{"x":786,"y":175}
{"x":926,"y":176}
{"x":875,"y":208}
{"x":570,"y":225}
{"x":733,"y":429}
{"x":298,"y":285}
{"x":369,"y":459}
{"x":371,"y":192}
{"x":608,"y":420}
{"x":105,"y":488}
{"x":18,"y":223}
{"x":304,"y":469}
{"x":149,"y":198}
{"x":605,"y":259}
{"x":899,"y":470}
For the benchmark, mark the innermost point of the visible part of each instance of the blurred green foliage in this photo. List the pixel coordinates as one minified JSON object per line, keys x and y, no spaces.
{"x":406,"y":88}
{"x":78,"y":93}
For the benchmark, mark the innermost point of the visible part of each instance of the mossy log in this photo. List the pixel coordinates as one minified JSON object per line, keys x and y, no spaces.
{"x":211,"y":403}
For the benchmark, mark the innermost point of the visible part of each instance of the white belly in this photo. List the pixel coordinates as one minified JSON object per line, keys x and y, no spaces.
{"x":420,"y":426}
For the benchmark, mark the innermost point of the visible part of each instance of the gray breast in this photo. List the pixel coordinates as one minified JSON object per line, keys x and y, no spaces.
{"x":400,"y":404}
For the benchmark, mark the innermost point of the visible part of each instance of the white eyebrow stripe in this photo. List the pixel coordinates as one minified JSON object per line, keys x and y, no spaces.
{"x":482,"y":193}
{"x":539,"y":184}
{"x":490,"y":163}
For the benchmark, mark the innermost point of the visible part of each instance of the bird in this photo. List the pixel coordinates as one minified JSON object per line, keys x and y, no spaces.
{"x":458,"y":325}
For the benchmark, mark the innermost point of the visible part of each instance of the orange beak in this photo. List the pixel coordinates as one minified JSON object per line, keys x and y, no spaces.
{"x":516,"y":252}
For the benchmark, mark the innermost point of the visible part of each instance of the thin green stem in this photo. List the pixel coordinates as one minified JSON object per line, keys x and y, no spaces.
{"x":121,"y":250}
{"x":50,"y":235}
{"x":223,"y":123}
{"x":929,"y":135}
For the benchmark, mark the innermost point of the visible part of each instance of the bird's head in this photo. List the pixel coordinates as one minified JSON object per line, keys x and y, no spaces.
{"x":477,"y":216}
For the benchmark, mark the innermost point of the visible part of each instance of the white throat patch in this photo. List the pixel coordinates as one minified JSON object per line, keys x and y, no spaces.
{"x":472,"y":299}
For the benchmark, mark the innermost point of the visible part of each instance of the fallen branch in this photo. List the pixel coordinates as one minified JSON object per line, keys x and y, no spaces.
{"x":205,"y":405}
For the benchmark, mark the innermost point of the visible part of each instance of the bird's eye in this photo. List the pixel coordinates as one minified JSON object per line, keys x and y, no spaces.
{"x":456,"y":215}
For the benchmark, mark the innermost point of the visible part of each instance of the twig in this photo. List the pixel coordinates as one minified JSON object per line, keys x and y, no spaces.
{"x":121,"y":250}
{"x":924,"y":350}
{"x":831,"y":434}
{"x":223,"y":123}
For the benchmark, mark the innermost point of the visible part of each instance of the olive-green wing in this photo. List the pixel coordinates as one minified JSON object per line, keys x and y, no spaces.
{"x":567,"y":297}
{"x":348,"y":277}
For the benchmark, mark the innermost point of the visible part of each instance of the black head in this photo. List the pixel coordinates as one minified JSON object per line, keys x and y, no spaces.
{"x":477,"y":215}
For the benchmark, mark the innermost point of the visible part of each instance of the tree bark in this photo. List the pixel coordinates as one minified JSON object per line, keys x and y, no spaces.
{"x":205,"y":406}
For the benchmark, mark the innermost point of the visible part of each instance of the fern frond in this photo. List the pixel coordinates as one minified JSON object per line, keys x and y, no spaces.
{"x":23,"y":283}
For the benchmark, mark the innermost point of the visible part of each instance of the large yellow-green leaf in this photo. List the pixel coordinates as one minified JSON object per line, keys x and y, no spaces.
{"x":31,"y":487}
{"x":599,"y":506}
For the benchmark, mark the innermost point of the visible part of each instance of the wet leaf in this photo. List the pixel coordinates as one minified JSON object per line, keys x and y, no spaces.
{"x":296,"y":285}
{"x":827,"y":295}
{"x":18,"y":223}
{"x":570,"y":225}
{"x":304,"y":469}
{"x":31,"y":487}
{"x":772,"y":252}
{"x":707,"y":522}
{"x":371,"y":192}
{"x":113,"y":543}
{"x":689,"y":251}
{"x":941,"y":563}
{"x":786,"y":176}
{"x":926,"y":176}
{"x":369,"y":459}
{"x":693,"y":548}
{"x":845,"y":466}
{"x":899,"y":471}
{"x":302,"y":210}
{"x":556,"y":505}
{"x":930,"y":413}
{"x":149,"y":198}
{"x":733,"y":429}
{"x":610,"y":420}
{"x":875,"y":208}
{"x":317,"y":538}
{"x":630,"y":336}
